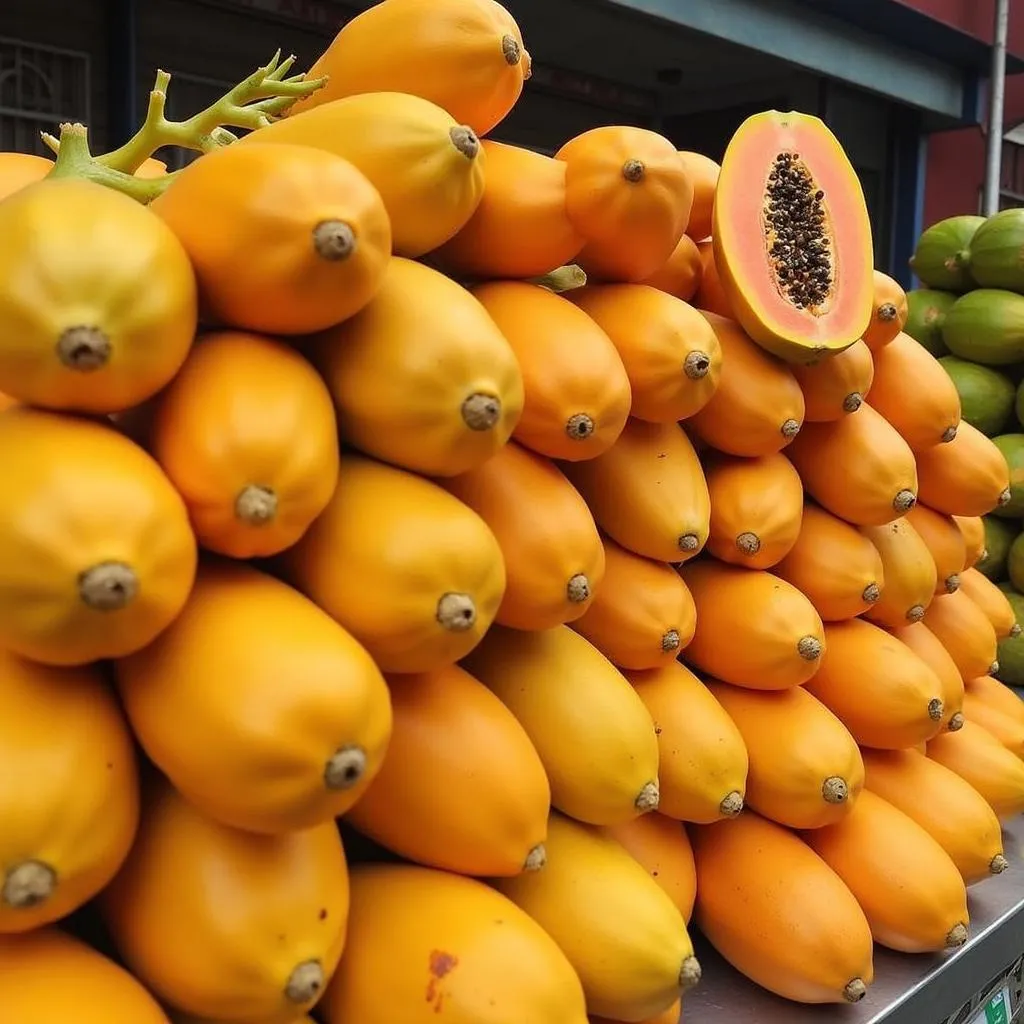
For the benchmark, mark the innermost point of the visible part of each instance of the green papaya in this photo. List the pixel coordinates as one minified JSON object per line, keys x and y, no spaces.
{"x":986,"y":326}
{"x":942,"y":256}
{"x":997,"y":251}
{"x":986,"y":396}
{"x":1011,"y":648}
{"x":999,"y":535}
{"x":926,"y":313}
{"x":1012,"y":447}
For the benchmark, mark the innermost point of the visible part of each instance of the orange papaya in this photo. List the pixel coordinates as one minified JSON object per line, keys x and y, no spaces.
{"x":753,"y":628}
{"x":642,"y":616}
{"x":703,"y":173}
{"x":805,"y":768}
{"x":441,"y":944}
{"x":973,"y":530}
{"x":966,"y":477}
{"x":467,"y":56}
{"x":924,"y":414}
{"x":992,"y":601}
{"x":965,"y":631}
{"x":667,"y":516}
{"x":836,"y":568}
{"x":609,"y":773}
{"x":671,"y":354}
{"x":520,"y":229}
{"x":422,"y":377}
{"x":907,"y":885}
{"x":577,"y":392}
{"x":17,"y":170}
{"x":980,"y":759}
{"x":949,"y":809}
{"x":412,"y":573}
{"x":859,"y":468}
{"x":629,"y":195}
{"x":757,"y":506}
{"x":673,"y":1015}
{"x":681,"y":273}
{"x":702,"y":771}
{"x":997,"y":695}
{"x":792,"y":237}
{"x":247,"y":434}
{"x":462,"y":787}
{"x":945,"y":543}
{"x":1008,"y":729}
{"x":836,"y":385}
{"x":889,"y":313}
{"x":758,"y":407}
{"x":927,"y":646}
{"x":554,"y":559}
{"x":877,"y":687}
{"x":909,"y":571}
{"x":710,"y":295}
{"x":756,"y":881}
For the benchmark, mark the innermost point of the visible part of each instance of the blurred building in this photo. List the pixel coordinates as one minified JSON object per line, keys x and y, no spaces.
{"x":901,"y":82}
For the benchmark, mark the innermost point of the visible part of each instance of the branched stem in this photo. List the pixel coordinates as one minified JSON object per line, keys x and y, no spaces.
{"x":254,"y":103}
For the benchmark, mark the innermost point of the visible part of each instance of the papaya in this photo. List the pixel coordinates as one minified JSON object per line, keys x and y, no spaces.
{"x":710,"y":295}
{"x":6,"y":402}
{"x":986,"y":326}
{"x":909,"y":572}
{"x":680,"y":275}
{"x":577,"y":391}
{"x":966,"y":477}
{"x":994,"y":250}
{"x":70,"y":797}
{"x":779,"y":914}
{"x":247,"y":434}
{"x":836,"y":385}
{"x":757,"y":507}
{"x":945,"y":544}
{"x":75,"y":983}
{"x":926,"y":414}
{"x":703,"y":174}
{"x":987,"y":397}
{"x":949,"y":809}
{"x":629,"y":195}
{"x":520,"y":229}
{"x":322,"y":737}
{"x":412,"y":573}
{"x":907,"y":885}
{"x":834,"y":566}
{"x":668,"y":514}
{"x":1000,"y":537}
{"x":554,"y":559}
{"x":1008,"y":729}
{"x":792,"y":237}
{"x":758,"y":407}
{"x":980,"y":759}
{"x":283,"y":239}
{"x":858,"y":468}
{"x":642,"y":616}
{"x":188,"y":1018}
{"x":18,"y":170}
{"x":262,"y":943}
{"x":992,"y":601}
{"x":427,"y":168}
{"x":927,"y":646}
{"x":805,"y":768}
{"x":702,"y":771}
{"x":889,"y":314}
{"x":439,"y":943}
{"x":609,"y":772}
{"x":660,"y":845}
{"x":110,"y":563}
{"x":942,"y":258}
{"x":753,"y":628}
{"x":966,"y":633}
{"x":114,"y":324}
{"x":926,"y":316}
{"x":885,"y":694}
{"x":467,"y":56}
{"x":422,"y":377}
{"x":622,"y":933}
{"x":972,"y":528}
{"x":671,"y":354}
{"x":996,"y":695}
{"x":673,"y":1015}
{"x":462,"y":787}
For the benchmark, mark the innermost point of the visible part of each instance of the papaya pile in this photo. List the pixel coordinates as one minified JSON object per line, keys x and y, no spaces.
{"x":970,"y":314}
{"x":420,"y":555}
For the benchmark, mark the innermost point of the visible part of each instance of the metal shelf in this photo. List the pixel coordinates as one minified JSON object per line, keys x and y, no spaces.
{"x":907,"y":989}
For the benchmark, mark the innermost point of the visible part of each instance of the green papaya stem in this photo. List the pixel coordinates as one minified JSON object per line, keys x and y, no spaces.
{"x":564,"y":279}
{"x":75,"y":160}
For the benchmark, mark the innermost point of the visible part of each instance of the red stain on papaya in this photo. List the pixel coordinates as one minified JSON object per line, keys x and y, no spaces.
{"x":440,"y":965}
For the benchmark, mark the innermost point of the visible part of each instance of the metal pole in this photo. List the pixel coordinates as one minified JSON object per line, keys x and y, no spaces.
{"x":996,"y":95}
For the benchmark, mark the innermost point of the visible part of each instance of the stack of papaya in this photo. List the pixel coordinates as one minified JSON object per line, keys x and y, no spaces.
{"x":313,"y":702}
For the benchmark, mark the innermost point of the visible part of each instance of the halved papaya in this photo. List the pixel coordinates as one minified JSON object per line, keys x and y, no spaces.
{"x":792,"y":237}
